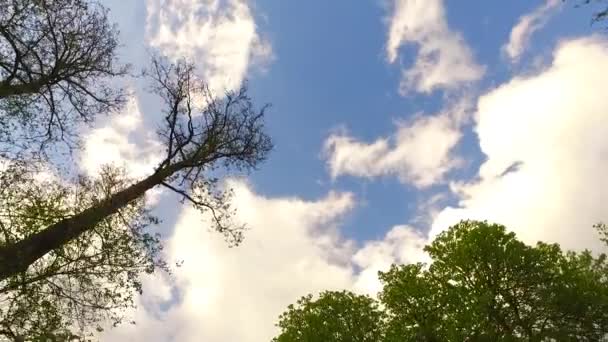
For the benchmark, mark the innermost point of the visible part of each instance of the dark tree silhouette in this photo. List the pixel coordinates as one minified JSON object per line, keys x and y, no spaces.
{"x":72,"y":250}
{"x":71,"y":255}
{"x":57,"y":60}
{"x":199,"y":137}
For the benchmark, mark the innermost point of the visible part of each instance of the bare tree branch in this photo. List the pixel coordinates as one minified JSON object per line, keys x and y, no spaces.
{"x":201,"y":137}
{"x":57,"y":58}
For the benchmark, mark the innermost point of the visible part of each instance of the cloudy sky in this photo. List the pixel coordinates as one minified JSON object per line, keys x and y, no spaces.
{"x":392,"y":120}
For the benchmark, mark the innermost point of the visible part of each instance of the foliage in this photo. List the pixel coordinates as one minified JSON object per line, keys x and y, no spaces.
{"x":491,"y":286}
{"x":485,"y":285}
{"x":334,"y":316}
{"x":72,"y":254}
{"x":72,"y":250}
{"x":85,"y":283}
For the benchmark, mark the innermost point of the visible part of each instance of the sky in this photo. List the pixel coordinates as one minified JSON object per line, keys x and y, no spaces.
{"x":392,"y":120}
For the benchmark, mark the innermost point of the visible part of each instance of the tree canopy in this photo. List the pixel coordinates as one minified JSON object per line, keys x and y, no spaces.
{"x":73,"y":248}
{"x":78,"y":250}
{"x":58,"y":59}
{"x":483,"y":284}
{"x":334,"y":316}
{"x":77,"y":287}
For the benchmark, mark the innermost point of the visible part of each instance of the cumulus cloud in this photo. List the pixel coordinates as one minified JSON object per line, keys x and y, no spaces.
{"x":293,"y":248}
{"x":526,"y":26}
{"x":220,"y":36}
{"x":418,"y":153}
{"x":443,"y":61}
{"x":547,"y":151}
{"x":236,"y":294}
{"x":121,"y":142}
{"x":402,"y":244}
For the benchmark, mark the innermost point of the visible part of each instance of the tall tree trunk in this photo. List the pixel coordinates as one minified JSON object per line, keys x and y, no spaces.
{"x":26,"y":88}
{"x":17,"y":257}
{"x":7,"y":90}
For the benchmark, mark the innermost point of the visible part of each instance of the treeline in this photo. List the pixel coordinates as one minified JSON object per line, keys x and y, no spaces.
{"x":483,"y":284}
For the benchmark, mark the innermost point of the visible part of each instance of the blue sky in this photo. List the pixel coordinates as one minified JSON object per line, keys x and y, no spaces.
{"x":392,"y":119}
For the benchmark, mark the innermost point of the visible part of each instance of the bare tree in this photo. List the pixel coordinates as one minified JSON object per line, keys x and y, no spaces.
{"x":71,"y":253}
{"x":57,"y":59}
{"x":200,"y":132}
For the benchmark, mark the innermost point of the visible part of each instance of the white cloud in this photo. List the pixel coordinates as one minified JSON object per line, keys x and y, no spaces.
{"x":293,"y":248}
{"x":121,"y":142}
{"x":402,"y":244}
{"x":444,"y":60}
{"x":236,"y":294}
{"x":553,"y":127}
{"x":418,"y":153}
{"x":526,"y":26}
{"x":220,"y":36}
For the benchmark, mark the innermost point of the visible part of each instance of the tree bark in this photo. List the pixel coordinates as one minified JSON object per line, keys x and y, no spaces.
{"x":7,"y":90}
{"x":17,"y":257}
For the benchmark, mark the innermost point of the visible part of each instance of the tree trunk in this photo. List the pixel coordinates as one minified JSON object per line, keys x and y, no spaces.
{"x":17,"y":257}
{"x":7,"y":90}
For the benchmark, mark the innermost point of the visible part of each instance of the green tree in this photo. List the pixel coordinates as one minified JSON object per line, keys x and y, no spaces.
{"x":87,"y":282}
{"x":414,"y":308}
{"x":485,"y":285}
{"x":334,"y":316}
{"x":72,"y":250}
{"x":70,"y":255}
{"x":58,"y":59}
{"x":198,"y":138}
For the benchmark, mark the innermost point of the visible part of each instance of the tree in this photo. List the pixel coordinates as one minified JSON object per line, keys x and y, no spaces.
{"x":74,"y":253}
{"x":72,"y":250}
{"x":57,"y":61}
{"x":485,"y":285}
{"x":198,"y":138}
{"x":334,"y":316}
{"x":73,"y":289}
